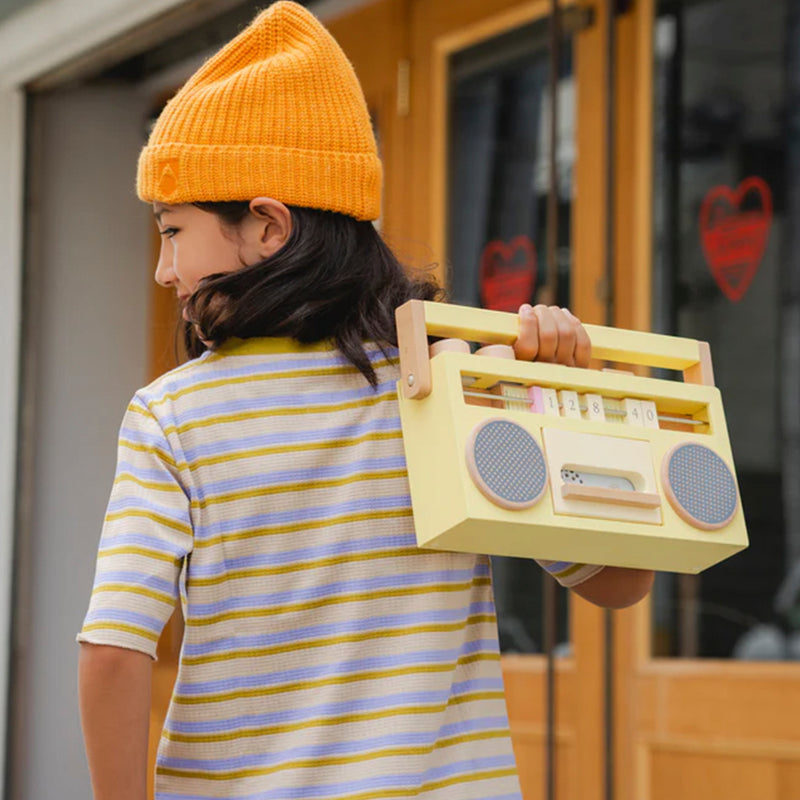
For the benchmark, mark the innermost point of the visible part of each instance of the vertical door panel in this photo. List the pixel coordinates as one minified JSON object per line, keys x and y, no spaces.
{"x":459,"y":79}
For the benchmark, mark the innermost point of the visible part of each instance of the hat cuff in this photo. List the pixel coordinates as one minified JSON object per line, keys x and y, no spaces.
{"x":349,"y":183}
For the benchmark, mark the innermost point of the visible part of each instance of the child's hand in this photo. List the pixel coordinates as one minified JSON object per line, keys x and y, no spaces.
{"x":550,"y":333}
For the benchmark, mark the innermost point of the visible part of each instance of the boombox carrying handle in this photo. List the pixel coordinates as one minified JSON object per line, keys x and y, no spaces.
{"x":418,"y":319}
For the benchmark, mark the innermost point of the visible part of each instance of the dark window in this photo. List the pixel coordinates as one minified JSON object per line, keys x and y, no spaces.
{"x":726,"y":258}
{"x":497,"y":199}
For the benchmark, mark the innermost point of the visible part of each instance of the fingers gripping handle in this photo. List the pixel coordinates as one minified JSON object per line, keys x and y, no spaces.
{"x":418,"y":319}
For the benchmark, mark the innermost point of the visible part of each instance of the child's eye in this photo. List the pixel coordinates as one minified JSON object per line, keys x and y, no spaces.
{"x":168,"y":232}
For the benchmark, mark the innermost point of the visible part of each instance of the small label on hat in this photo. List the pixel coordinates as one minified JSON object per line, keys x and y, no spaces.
{"x":168,"y":182}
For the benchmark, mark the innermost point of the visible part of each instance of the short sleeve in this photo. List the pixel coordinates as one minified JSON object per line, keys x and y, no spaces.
{"x":569,"y":574}
{"x":147,"y":535}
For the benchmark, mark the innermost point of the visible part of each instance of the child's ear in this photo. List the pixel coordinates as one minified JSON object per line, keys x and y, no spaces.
{"x":271,"y":223}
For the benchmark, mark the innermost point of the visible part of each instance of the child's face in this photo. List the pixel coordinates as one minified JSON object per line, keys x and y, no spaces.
{"x":194,"y":244}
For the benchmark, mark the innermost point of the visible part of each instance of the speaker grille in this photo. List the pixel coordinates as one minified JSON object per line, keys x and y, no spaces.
{"x":506,"y":464}
{"x":700,"y":486}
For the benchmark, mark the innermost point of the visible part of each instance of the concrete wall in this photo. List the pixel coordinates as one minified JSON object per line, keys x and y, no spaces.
{"x":8,"y":7}
{"x":37,"y":40}
{"x":84,"y":351}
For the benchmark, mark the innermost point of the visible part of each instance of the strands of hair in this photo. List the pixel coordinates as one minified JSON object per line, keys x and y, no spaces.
{"x":334,"y":279}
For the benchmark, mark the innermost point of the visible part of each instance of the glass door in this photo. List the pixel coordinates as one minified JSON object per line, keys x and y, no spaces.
{"x":497,"y":197}
{"x":480,"y":178}
{"x":705,"y":686}
{"x":499,"y":169}
{"x":727,"y":273}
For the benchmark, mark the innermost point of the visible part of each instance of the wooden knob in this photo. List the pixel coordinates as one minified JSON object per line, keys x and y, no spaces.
{"x":497,"y":351}
{"x":450,"y":346}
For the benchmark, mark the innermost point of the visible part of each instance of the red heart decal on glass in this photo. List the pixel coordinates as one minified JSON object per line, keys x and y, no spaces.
{"x":734,"y":240}
{"x":508,"y":273}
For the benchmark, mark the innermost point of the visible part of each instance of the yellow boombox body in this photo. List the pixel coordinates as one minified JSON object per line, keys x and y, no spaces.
{"x":544,"y":461}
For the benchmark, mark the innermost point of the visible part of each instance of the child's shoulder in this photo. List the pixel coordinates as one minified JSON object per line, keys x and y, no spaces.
{"x":176,"y":380}
{"x":243,"y":361}
{"x":237,"y":359}
{"x":163,"y":396}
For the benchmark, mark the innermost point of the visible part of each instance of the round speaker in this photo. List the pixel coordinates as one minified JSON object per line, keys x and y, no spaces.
{"x":506,"y":464}
{"x":699,"y":486}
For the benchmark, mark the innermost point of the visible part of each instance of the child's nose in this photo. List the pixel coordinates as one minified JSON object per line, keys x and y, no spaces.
{"x":165,"y":274}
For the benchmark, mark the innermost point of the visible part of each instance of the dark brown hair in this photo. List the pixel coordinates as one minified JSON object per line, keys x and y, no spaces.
{"x":335,"y":278}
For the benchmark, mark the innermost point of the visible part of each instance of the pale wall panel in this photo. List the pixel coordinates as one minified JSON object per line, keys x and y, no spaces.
{"x":85,"y":351}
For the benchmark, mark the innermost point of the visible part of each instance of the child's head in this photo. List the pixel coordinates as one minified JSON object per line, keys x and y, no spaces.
{"x":264,"y":177}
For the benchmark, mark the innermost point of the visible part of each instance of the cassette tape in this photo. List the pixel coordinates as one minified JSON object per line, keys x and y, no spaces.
{"x":545,"y":461}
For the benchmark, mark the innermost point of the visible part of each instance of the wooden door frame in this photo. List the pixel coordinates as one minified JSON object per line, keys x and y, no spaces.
{"x":444,"y":47}
{"x":377,"y":34}
{"x":633,"y":232}
{"x":633,"y":148}
{"x":581,"y":723}
{"x":589,"y":300}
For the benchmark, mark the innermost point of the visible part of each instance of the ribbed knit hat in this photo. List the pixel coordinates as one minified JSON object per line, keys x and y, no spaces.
{"x":278,"y":112}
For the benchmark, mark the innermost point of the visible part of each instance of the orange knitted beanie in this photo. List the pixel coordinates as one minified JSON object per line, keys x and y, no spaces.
{"x":278,"y":112}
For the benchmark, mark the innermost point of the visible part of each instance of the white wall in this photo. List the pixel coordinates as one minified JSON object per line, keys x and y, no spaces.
{"x":8,"y":7}
{"x":86,"y":346}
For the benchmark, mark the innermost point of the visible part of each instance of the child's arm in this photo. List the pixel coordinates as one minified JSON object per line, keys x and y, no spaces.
{"x":114,"y":689}
{"x":616,"y":587}
{"x":146,"y":540}
{"x":553,"y":334}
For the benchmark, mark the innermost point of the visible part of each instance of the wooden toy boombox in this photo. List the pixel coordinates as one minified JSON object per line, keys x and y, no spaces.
{"x":545,"y":461}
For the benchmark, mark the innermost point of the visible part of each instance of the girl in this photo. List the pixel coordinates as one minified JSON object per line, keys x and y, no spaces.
{"x":263,"y":483}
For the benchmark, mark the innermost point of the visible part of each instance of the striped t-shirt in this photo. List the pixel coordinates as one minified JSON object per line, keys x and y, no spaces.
{"x":325,"y":656}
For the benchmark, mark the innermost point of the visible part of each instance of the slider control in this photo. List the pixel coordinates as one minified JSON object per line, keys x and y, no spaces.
{"x":601,"y":487}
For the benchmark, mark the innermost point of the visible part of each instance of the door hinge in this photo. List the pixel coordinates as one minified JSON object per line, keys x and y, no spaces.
{"x":575,"y":19}
{"x":403,"y":87}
